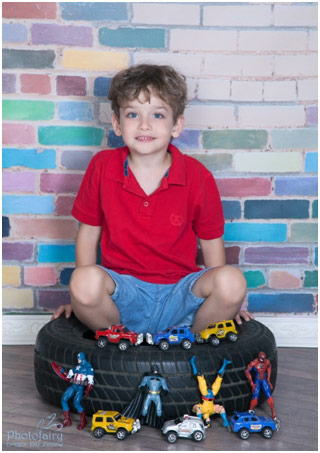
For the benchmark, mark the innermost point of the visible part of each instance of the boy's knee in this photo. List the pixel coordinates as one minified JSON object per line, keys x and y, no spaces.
{"x":229,"y":283}
{"x":88,"y":283}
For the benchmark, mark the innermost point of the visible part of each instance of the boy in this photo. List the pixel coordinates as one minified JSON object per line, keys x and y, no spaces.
{"x":147,"y":204}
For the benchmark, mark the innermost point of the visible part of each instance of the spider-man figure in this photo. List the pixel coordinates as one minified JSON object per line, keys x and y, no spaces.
{"x":262,"y":367}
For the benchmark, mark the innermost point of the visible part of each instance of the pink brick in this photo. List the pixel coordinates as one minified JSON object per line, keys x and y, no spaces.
{"x":64,"y":205}
{"x":29,"y":10}
{"x":18,"y":134}
{"x":35,"y":83}
{"x":18,"y":181}
{"x":284,"y":280}
{"x":48,"y":228}
{"x":60,"y":183}
{"x":40,"y":276}
{"x":243,"y":187}
{"x":71,"y":86}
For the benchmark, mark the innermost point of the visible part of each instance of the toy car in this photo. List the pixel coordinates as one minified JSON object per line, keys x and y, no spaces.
{"x":113,"y":422}
{"x":187,"y":426}
{"x":245,"y":423}
{"x":118,"y":334}
{"x":174,"y":335}
{"x":218,"y":331}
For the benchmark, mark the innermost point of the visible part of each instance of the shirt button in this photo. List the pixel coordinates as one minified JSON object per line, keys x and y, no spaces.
{"x":146,"y":204}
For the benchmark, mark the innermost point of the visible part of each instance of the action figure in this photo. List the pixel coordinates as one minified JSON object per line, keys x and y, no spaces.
{"x":81,"y":377}
{"x":262,"y":367}
{"x":207,"y":407}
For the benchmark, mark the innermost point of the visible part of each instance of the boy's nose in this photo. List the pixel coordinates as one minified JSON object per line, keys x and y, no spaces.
{"x":144,"y":124}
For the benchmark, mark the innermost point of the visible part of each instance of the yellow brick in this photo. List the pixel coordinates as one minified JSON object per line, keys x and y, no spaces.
{"x":11,"y":276}
{"x":17,"y":298}
{"x":95,"y":60}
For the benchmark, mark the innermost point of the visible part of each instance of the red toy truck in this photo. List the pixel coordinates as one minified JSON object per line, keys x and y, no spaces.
{"x":120,"y":335}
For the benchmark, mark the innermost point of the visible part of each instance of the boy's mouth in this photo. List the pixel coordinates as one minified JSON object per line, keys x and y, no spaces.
{"x":144,"y":138}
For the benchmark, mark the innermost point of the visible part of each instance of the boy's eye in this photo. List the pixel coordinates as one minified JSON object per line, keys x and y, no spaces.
{"x":158,"y":116}
{"x":132,"y":115}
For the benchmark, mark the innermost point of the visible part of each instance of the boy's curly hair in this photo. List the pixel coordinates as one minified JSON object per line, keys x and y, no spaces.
{"x":165,"y":81}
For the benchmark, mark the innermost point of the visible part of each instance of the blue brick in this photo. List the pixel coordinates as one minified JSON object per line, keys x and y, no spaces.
{"x":231,"y":209}
{"x":315,"y":209}
{"x":5,"y":227}
{"x":255,"y":232}
{"x":114,"y":141}
{"x":28,"y":204}
{"x":53,"y":253}
{"x":31,"y":158}
{"x":189,"y":138}
{"x":75,"y":111}
{"x":295,"y":138}
{"x":65,"y":275}
{"x":101,"y":86}
{"x":76,"y":160}
{"x":276,"y":209}
{"x":316,"y":256}
{"x":14,"y":33}
{"x":133,"y":37}
{"x":293,"y":185}
{"x":281,"y":303}
{"x":94,"y":11}
{"x":311,"y":163}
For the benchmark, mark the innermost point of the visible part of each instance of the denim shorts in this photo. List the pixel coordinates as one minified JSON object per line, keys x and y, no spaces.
{"x":151,"y":307}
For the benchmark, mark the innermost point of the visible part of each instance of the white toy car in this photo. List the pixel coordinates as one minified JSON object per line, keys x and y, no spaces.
{"x":187,"y":426}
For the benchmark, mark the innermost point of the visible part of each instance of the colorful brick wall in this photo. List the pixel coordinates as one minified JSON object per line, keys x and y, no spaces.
{"x":251,"y":71}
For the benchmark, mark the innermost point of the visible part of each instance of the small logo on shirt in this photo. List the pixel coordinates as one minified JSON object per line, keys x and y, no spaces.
{"x":176,"y":219}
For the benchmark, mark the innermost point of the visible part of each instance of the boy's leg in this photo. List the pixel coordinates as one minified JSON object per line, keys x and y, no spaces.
{"x":90,"y":288}
{"x":224,"y":289}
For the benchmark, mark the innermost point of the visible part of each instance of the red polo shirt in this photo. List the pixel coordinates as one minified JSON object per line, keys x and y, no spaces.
{"x":151,"y":237}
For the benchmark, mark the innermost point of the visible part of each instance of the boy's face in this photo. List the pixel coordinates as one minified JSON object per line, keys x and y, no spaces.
{"x":147,"y":126}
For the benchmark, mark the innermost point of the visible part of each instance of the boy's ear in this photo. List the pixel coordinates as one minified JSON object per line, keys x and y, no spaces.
{"x":177,"y":128}
{"x":116,"y":124}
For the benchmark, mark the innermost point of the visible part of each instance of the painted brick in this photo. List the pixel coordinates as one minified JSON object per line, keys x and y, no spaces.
{"x":105,"y":112}
{"x":315,"y":209}
{"x":94,"y":60}
{"x":235,"y":139}
{"x":215,"y":162}
{"x":310,"y":279}
{"x":244,"y":187}
{"x":276,"y":255}
{"x":311,"y":162}
{"x":246,"y":90}
{"x":308,"y":90}
{"x":255,"y":232}
{"x":170,"y":14}
{"x":68,"y":35}
{"x":14,"y":33}
{"x":11,"y":275}
{"x":266,"y":162}
{"x":27,"y":110}
{"x":295,"y":15}
{"x":218,"y":90}
{"x":113,"y":140}
{"x":75,"y":111}
{"x":94,"y":11}
{"x":295,"y":138}
{"x":133,"y":37}
{"x":188,"y":139}
{"x":304,"y":232}
{"x":238,"y":65}
{"x":65,"y":275}
{"x":49,"y":228}
{"x":295,"y":65}
{"x":52,"y":299}
{"x":17,"y":298}
{"x":276,"y":209}
{"x":64,"y":205}
{"x":18,"y":134}
{"x":40,"y":276}
{"x":209,"y":116}
{"x":279,"y":90}
{"x":60,"y":183}
{"x":237,"y":15}
{"x":53,"y":253}
{"x":273,"y":40}
{"x":316,"y":256}
{"x":31,"y":158}
{"x":232,"y":254}
{"x":8,"y":83}
{"x":28,"y":204}
{"x":189,"y":64}
{"x":312,"y":115}
{"x":76,"y":160}
{"x":231,"y":209}
{"x":288,"y":185}
{"x":71,"y":86}
{"x":19,"y":182}
{"x":5,"y":227}
{"x":70,"y":135}
{"x":281,"y":303}
{"x":29,"y":10}
{"x":280,"y":279}
{"x":255,"y":279}
{"x":101,"y":86}
{"x":17,"y":251}
{"x":35,"y":83}
{"x":21,"y":58}
{"x":271,"y":116}
{"x":204,"y":40}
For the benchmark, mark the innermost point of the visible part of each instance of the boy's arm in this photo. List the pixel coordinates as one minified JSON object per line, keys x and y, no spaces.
{"x":87,"y":243}
{"x":213,"y":252}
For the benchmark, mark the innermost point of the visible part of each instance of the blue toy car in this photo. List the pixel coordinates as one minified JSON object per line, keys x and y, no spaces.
{"x":174,"y":335}
{"x":245,"y":423}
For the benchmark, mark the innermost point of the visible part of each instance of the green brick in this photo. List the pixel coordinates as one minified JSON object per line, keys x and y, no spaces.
{"x":70,"y":135}
{"x":132,"y":37}
{"x":27,"y":110}
{"x":310,"y":279}
{"x":234,"y":139}
{"x":255,"y":279}
{"x":294,"y":138}
{"x":215,"y":162}
{"x":304,"y":232}
{"x":315,"y":209}
{"x":35,"y":59}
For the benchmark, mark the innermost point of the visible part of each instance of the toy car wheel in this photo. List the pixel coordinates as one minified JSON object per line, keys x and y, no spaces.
{"x":186,"y":344}
{"x":267,"y":432}
{"x":232,"y":337}
{"x":164,"y":345}
{"x":102,"y":342}
{"x":99,"y":432}
{"x":123,"y":345}
{"x":199,"y":338}
{"x":214,"y":341}
{"x":121,"y":434}
{"x":244,"y":433}
{"x":171,"y":437}
{"x":197,"y":436}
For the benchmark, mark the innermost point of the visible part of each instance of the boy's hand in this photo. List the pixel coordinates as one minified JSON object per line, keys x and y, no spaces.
{"x":63,"y":309}
{"x":245,"y":315}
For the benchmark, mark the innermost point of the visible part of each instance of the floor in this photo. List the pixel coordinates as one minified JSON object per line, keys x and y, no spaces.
{"x":29,"y":422}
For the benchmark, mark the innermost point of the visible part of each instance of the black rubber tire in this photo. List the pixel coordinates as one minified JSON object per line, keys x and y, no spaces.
{"x":118,"y":374}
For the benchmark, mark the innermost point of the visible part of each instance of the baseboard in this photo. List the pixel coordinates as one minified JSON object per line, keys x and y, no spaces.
{"x":302,"y":332}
